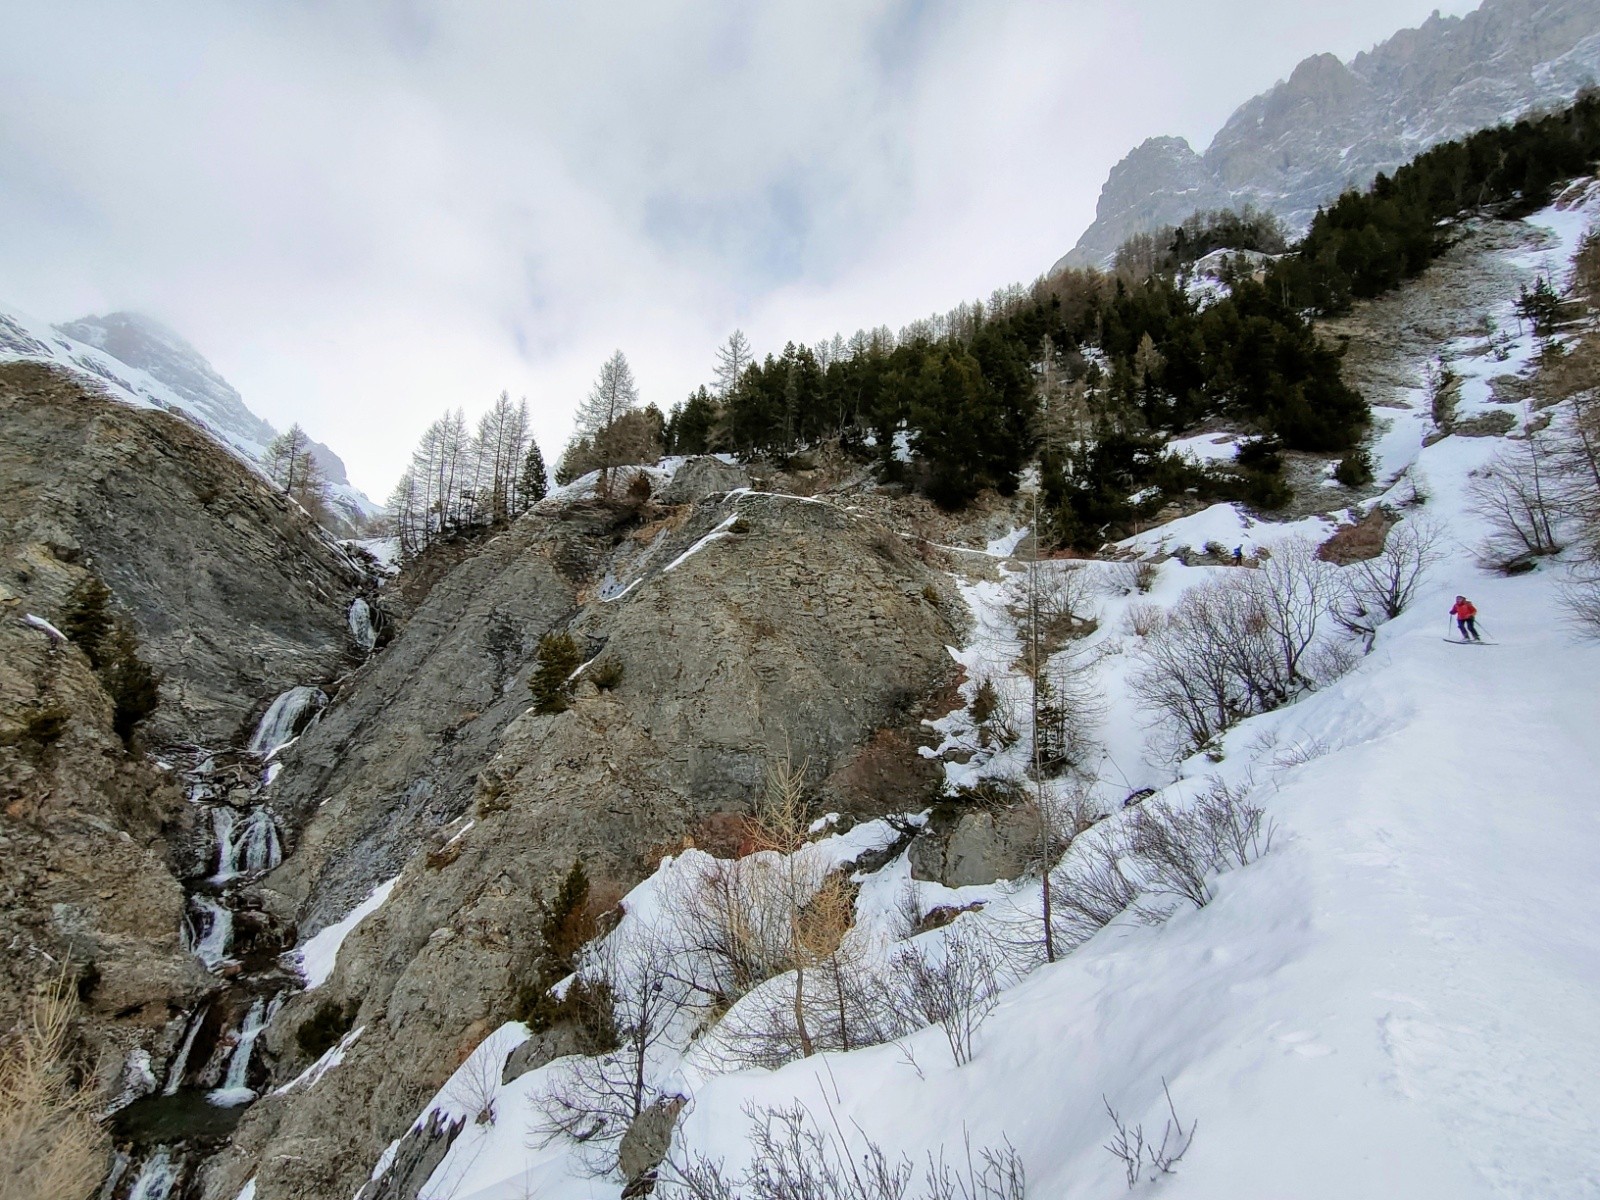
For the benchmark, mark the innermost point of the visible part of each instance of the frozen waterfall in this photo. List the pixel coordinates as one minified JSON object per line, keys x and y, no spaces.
{"x":208,"y":930}
{"x":156,"y":1177}
{"x":285,"y":718}
{"x":180,"y":1061}
{"x":361,"y":628}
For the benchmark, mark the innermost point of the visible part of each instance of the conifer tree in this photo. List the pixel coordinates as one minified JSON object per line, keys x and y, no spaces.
{"x":534,"y":485}
{"x":733,"y":357}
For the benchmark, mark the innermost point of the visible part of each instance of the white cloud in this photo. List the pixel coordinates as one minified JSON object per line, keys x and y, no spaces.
{"x":366,"y":212}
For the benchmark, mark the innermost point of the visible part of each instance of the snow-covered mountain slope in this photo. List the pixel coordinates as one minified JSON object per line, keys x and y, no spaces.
{"x":141,"y":362}
{"x":1399,"y":996}
{"x":1333,"y":125}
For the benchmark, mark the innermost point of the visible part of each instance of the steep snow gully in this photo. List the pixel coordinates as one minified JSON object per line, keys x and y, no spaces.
{"x":1400,"y":998}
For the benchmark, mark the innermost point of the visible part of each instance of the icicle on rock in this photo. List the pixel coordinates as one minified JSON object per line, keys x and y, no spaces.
{"x":361,"y":628}
{"x":180,"y":1061}
{"x":288,"y":715}
{"x":222,"y":823}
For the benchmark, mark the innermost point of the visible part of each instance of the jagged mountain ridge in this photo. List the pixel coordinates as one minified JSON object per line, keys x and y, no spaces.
{"x":1333,"y":125}
{"x":140,"y":361}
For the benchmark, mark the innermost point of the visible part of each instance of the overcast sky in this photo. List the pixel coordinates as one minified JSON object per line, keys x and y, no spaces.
{"x":367,"y":211}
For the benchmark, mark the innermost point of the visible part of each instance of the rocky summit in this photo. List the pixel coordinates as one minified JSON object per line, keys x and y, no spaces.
{"x":1333,"y":125}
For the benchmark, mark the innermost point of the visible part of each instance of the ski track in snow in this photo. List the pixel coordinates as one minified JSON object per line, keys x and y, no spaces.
{"x":1401,"y":999}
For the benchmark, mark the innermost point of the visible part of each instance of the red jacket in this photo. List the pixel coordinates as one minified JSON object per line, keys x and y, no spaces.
{"x":1463,"y":610}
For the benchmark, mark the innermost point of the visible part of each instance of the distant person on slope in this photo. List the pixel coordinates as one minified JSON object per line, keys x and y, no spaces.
{"x":1466,"y":616}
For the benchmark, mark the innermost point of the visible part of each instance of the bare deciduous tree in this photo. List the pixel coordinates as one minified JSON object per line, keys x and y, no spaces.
{"x":1516,"y":495}
{"x":1380,"y":589}
{"x":1241,"y":643}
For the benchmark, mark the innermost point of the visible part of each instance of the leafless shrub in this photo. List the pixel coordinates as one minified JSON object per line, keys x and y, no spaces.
{"x":473,"y":1088}
{"x":795,"y":1158}
{"x":1209,"y":664}
{"x":1179,"y":849}
{"x":51,"y":1148}
{"x":593,"y":1099}
{"x":952,"y":984}
{"x":1515,"y":495}
{"x":1090,"y":889}
{"x":1241,"y":643}
{"x":1381,"y":588}
{"x":1144,"y":619}
{"x":1301,"y":752}
{"x":1119,"y":578}
{"x":1141,"y":1158}
{"x":1581,"y":597}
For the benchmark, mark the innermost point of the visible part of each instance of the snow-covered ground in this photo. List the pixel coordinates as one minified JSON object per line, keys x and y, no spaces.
{"x":1400,"y":998}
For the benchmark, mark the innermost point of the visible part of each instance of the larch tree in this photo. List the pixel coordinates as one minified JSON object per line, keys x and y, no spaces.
{"x":732,"y":359}
{"x":612,"y":398}
{"x":293,"y":467}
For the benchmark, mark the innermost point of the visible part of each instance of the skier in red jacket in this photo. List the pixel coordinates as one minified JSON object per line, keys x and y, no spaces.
{"x":1466,"y":618}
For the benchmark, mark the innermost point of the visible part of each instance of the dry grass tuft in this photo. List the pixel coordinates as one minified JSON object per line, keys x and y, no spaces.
{"x":50,"y":1146}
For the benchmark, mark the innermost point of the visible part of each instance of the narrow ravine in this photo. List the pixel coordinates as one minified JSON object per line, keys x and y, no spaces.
{"x":215,"y":1073}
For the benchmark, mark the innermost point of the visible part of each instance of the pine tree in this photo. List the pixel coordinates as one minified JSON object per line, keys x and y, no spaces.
{"x":534,"y":485}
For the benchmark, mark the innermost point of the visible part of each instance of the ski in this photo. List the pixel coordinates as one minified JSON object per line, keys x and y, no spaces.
{"x":1459,"y":642}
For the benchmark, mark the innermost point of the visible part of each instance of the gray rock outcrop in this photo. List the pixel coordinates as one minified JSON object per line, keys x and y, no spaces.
{"x":235,"y":595}
{"x":746,"y":628}
{"x":1333,"y":125}
{"x":703,"y":476}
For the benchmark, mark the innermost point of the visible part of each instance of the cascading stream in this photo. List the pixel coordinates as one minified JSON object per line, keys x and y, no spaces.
{"x":288,"y":714}
{"x":362,"y":631}
{"x":208,"y":930}
{"x":235,"y":1087}
{"x":157,"y":1177}
{"x":180,"y":1061}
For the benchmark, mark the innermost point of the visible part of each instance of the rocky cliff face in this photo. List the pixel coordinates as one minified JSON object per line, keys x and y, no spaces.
{"x":150,"y":346}
{"x":235,"y":594}
{"x":1333,"y":125}
{"x":140,"y":362}
{"x":234,"y":597}
{"x":746,"y":627}
{"x":145,"y":343}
